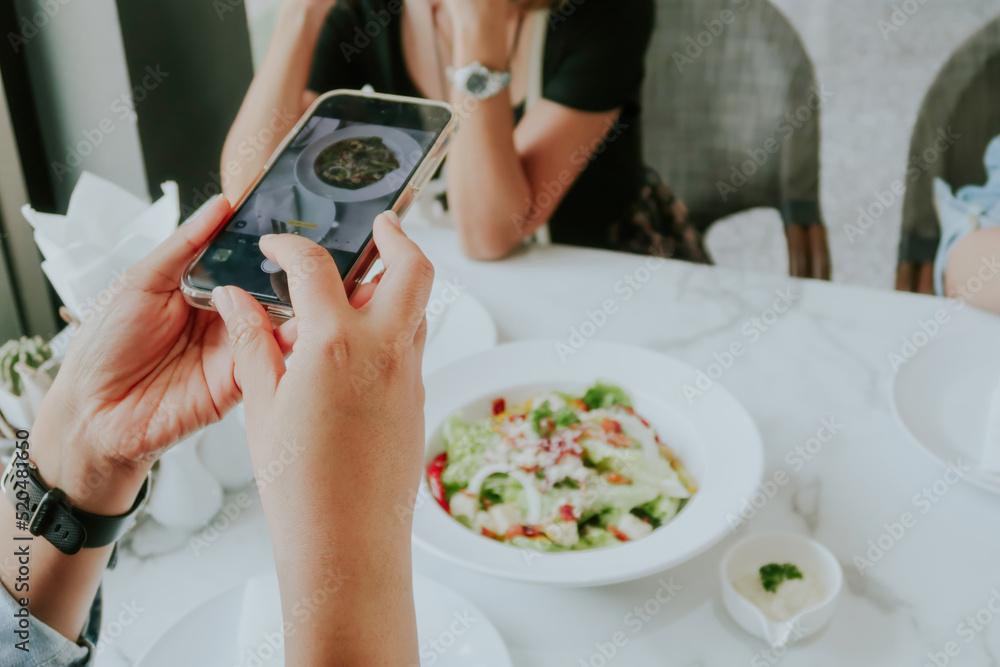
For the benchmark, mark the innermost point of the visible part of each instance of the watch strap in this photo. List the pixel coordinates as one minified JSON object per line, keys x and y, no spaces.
{"x":51,"y":516}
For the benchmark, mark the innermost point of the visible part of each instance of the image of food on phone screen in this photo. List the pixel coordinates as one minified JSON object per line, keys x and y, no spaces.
{"x":350,"y":161}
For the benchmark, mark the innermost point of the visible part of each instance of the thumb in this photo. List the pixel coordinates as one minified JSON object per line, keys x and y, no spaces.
{"x":256,"y":353}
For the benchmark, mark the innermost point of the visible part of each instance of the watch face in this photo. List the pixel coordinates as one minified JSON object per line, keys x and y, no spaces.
{"x":477,"y":83}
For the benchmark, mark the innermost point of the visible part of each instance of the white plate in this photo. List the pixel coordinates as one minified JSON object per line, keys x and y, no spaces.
{"x":715,"y":438}
{"x":458,"y":326}
{"x":207,"y":637}
{"x":942,"y":398}
{"x":405,"y":147}
{"x":318,"y":124}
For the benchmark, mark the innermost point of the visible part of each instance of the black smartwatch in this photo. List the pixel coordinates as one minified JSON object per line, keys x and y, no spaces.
{"x":52,"y":517}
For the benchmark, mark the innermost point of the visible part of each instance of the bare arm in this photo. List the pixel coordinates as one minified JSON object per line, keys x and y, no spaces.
{"x":61,"y":588}
{"x":277,"y":96}
{"x":142,"y":372}
{"x":350,"y":448}
{"x":504,"y":184}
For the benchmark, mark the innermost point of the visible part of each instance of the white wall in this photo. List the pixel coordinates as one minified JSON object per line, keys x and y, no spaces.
{"x":77,"y":64}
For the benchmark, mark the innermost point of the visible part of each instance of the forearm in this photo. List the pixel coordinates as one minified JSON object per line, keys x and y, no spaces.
{"x":488,"y":188}
{"x":61,"y":588}
{"x":275,"y":99}
{"x":342,"y":552}
{"x":347,"y":599}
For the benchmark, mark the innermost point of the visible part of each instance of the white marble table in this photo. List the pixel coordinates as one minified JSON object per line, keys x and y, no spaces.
{"x":824,"y":359}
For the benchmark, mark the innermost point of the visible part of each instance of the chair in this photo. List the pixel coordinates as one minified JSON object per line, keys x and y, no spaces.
{"x":732,"y":119}
{"x":965,"y":96}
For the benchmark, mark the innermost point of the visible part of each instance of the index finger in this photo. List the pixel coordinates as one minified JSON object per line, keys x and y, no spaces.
{"x":402,"y":294}
{"x":314,"y":283}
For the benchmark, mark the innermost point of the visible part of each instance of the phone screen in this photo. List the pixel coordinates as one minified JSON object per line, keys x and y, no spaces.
{"x":350,"y":161}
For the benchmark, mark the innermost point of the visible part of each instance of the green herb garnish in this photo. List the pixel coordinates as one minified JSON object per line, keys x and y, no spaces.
{"x":605,"y":396}
{"x":773,"y":575}
{"x":545,"y":421}
{"x":565,"y":416}
{"x":541,"y":420}
{"x":492,"y":492}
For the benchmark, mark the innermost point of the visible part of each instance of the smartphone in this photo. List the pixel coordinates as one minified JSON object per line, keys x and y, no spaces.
{"x":352,"y":156}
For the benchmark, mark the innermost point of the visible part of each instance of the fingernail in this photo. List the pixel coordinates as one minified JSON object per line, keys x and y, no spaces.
{"x":223,"y":301}
{"x":266,"y":236}
{"x":393,"y":218}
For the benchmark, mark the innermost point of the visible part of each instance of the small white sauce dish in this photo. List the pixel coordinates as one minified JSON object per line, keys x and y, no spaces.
{"x":750,"y":554}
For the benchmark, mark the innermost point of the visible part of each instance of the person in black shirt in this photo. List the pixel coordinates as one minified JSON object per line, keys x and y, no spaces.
{"x":572,"y":159}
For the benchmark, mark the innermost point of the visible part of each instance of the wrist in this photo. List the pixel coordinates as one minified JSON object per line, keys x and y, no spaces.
{"x":303,"y":14}
{"x":299,"y":24}
{"x":69,"y":460}
{"x":479,"y":43}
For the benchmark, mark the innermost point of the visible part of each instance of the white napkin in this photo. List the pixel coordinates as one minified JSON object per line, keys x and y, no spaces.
{"x":105,"y":230}
{"x":990,"y":461}
{"x":260,"y":640}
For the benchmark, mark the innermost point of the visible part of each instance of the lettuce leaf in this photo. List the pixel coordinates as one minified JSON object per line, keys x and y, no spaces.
{"x":465,"y":444}
{"x":605,"y":396}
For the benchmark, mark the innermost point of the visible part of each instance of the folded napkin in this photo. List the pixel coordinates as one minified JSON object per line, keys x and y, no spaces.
{"x":105,"y":230}
{"x":990,"y":461}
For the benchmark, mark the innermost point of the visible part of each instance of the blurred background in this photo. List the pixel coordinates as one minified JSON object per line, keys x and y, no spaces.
{"x":140,"y":93}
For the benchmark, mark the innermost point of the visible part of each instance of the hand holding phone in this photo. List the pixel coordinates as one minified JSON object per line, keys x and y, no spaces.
{"x":352,"y":156}
{"x":344,"y":422}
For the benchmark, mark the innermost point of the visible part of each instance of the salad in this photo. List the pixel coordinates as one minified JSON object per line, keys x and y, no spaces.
{"x":560,"y":472}
{"x":356,"y":163}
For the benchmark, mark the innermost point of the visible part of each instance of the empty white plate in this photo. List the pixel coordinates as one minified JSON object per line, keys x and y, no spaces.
{"x":451,"y":630}
{"x":458,"y":326}
{"x":942,"y":398}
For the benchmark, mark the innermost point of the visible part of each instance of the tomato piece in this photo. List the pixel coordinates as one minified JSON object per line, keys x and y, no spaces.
{"x":546,"y":426}
{"x":488,"y":533}
{"x":615,"y":478}
{"x":531,"y":531}
{"x":566,"y":452}
{"x":622,"y":537}
{"x":566,"y":512}
{"x":434,"y":471}
{"x":611,"y":426}
{"x":499,"y":406}
{"x":619,"y":440}
{"x":514,"y":531}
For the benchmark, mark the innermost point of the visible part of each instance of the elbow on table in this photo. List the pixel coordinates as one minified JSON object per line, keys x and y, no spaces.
{"x":485,"y":249}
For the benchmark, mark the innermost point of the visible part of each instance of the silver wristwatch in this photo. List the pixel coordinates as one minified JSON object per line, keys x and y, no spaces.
{"x":478,"y":80}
